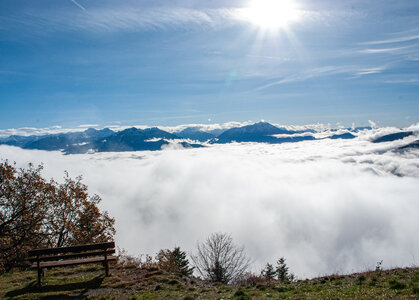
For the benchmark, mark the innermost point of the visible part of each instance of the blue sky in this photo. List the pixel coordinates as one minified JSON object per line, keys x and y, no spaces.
{"x":67,"y":63}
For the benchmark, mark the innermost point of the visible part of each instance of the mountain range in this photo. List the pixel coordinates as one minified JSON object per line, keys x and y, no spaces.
{"x":134,"y":139}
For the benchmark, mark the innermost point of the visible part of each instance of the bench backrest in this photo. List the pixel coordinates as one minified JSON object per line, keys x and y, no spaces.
{"x":80,"y":250}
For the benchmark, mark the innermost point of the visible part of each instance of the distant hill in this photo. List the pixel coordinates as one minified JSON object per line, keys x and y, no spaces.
{"x":346,"y":136}
{"x":64,"y":141}
{"x":133,"y":139}
{"x":19,"y":141}
{"x":261,"y":132}
{"x":413,"y":145}
{"x":393,"y":137}
{"x":104,"y":140}
{"x":195,"y":133}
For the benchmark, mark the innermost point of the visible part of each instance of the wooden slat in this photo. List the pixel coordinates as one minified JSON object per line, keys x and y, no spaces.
{"x":72,"y":249}
{"x":72,"y":262}
{"x":73,"y":255}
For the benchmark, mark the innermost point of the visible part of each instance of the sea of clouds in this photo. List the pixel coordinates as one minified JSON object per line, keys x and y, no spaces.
{"x":327,"y":206}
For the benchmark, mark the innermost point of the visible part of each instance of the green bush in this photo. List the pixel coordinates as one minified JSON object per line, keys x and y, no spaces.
{"x":396,"y":285}
{"x":241,"y":295}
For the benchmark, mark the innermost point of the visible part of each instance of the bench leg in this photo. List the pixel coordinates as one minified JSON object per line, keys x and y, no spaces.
{"x":106,"y":268}
{"x":106,"y":263}
{"x":39,"y":276}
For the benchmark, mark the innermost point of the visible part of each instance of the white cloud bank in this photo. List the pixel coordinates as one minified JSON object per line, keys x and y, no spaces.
{"x":327,"y":206}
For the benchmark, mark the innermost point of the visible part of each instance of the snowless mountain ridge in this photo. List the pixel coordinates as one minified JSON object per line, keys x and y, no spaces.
{"x":134,"y":139}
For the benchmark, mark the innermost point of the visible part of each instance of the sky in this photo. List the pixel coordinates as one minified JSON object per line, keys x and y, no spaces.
{"x":72,"y":62}
{"x":327,"y":206}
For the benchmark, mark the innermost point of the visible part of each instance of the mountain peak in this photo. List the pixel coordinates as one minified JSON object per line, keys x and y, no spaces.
{"x":258,"y":132}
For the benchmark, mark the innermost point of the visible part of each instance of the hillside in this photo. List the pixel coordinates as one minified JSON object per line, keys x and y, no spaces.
{"x":130,"y":281}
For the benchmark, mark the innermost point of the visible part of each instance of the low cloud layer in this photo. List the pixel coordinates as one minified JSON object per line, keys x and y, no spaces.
{"x":327,"y":206}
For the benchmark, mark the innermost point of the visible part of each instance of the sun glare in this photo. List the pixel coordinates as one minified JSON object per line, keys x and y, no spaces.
{"x":271,"y":14}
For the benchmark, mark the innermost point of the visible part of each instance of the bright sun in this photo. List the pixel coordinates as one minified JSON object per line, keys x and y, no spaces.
{"x":271,"y":14}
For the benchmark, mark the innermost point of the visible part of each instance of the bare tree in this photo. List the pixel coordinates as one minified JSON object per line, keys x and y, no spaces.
{"x":220,"y":260}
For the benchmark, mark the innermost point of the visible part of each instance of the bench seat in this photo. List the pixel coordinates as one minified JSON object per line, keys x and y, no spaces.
{"x":73,"y":255}
{"x":63,"y":263}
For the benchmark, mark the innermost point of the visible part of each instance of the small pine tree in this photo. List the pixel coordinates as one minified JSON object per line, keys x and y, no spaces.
{"x":268,"y":272}
{"x":182,"y":262}
{"x":174,"y":261}
{"x":282,"y":271}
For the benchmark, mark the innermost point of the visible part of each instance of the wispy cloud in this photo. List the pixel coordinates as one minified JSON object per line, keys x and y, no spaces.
{"x":123,"y":18}
{"x":304,"y":76}
{"x":354,"y":71}
{"x":393,"y":40}
{"x":412,"y":80}
{"x":78,"y":4}
{"x":370,"y":71}
{"x":385,"y":50}
{"x":87,"y":125}
{"x":25,"y":131}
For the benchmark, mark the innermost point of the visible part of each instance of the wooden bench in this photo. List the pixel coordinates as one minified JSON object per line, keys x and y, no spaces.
{"x":70,"y":256}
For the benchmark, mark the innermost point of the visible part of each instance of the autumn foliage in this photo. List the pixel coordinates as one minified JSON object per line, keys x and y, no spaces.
{"x":38,"y":213}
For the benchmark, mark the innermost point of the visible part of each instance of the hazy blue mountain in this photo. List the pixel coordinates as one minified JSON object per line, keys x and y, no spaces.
{"x":260,"y":132}
{"x":346,"y":136}
{"x":133,"y":139}
{"x":413,"y":145}
{"x":104,"y":140}
{"x":216,"y":132}
{"x":19,"y":141}
{"x":189,"y":145}
{"x":194,"y":133}
{"x":357,"y":129}
{"x":393,"y":137}
{"x":64,"y":141}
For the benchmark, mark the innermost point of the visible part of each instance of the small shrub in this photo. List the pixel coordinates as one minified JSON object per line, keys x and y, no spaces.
{"x":158,"y":288}
{"x":396,"y":285}
{"x":283,"y":289}
{"x":241,"y":295}
{"x":361,"y":279}
{"x":174,"y":282}
{"x":251,"y":279}
{"x":373,"y":281}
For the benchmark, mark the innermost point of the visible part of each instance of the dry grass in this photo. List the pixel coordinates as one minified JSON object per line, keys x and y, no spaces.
{"x":131,"y":281}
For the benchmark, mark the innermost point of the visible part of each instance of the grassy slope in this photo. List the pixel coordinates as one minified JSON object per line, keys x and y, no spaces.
{"x":131,"y":282}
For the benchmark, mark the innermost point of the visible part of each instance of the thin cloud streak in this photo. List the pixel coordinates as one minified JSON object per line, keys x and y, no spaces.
{"x":324,"y":71}
{"x":393,"y":40}
{"x":79,"y":5}
{"x":111,"y":19}
{"x":384,"y":50}
{"x":370,"y":71}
